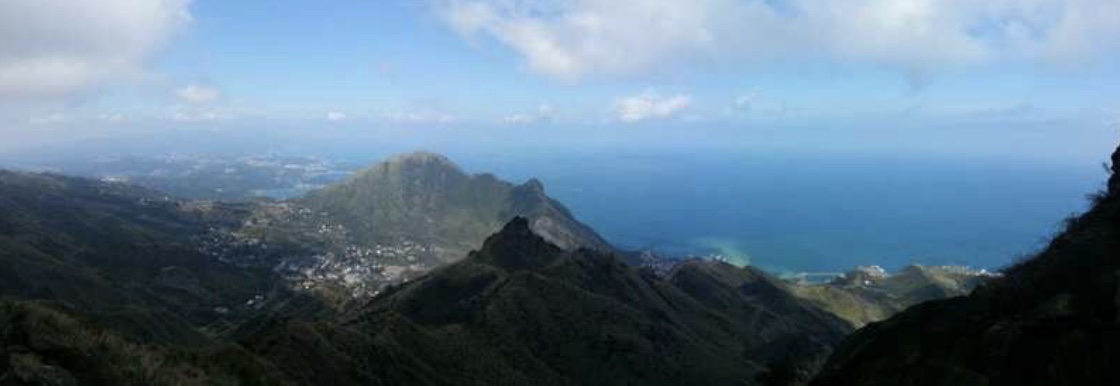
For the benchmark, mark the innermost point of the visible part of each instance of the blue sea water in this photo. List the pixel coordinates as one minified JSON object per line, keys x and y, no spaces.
{"x":814,"y":214}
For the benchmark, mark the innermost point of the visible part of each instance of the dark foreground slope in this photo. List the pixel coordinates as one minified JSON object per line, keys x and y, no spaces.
{"x":427,"y":199}
{"x":44,"y":344}
{"x":523,"y":311}
{"x":1051,"y":320}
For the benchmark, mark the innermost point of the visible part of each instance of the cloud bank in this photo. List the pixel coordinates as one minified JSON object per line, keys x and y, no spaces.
{"x":419,"y":117}
{"x":54,"y":48}
{"x":571,"y":39}
{"x":544,"y":114}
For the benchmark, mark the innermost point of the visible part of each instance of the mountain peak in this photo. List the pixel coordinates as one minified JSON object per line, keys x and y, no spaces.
{"x":533,"y":184}
{"x":516,"y":246}
{"x":517,"y":226}
{"x":420,"y":157}
{"x":417,"y":164}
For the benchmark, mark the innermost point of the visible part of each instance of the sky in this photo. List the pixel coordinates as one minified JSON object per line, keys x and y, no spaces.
{"x":1033,"y":79}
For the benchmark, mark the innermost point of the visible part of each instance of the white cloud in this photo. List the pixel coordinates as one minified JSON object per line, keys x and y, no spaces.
{"x":519,"y":119}
{"x":650,"y":105}
{"x":56,"y":47}
{"x":570,"y":39}
{"x":544,"y":114}
{"x":336,"y":116}
{"x":196,"y":115}
{"x":420,"y":118}
{"x":195,"y":94}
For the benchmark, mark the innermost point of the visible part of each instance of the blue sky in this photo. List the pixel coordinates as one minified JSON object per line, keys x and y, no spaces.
{"x":980,"y":77}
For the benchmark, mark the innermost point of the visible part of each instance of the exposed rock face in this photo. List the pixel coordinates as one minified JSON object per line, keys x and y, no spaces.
{"x":1051,"y":320}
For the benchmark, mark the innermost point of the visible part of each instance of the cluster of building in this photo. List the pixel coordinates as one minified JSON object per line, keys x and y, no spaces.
{"x":230,"y":248}
{"x":360,"y":271}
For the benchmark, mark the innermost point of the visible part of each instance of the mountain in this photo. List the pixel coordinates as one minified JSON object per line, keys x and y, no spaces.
{"x":524,"y":311}
{"x":107,"y":283}
{"x":1053,"y":319}
{"x":425,"y":198}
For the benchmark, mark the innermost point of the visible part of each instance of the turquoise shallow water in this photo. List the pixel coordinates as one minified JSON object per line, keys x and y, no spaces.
{"x":795,"y":214}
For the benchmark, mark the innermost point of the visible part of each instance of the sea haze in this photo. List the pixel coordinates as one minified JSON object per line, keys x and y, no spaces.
{"x":814,"y":213}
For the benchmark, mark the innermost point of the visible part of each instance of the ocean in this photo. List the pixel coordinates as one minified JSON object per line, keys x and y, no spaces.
{"x":813,"y":213}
